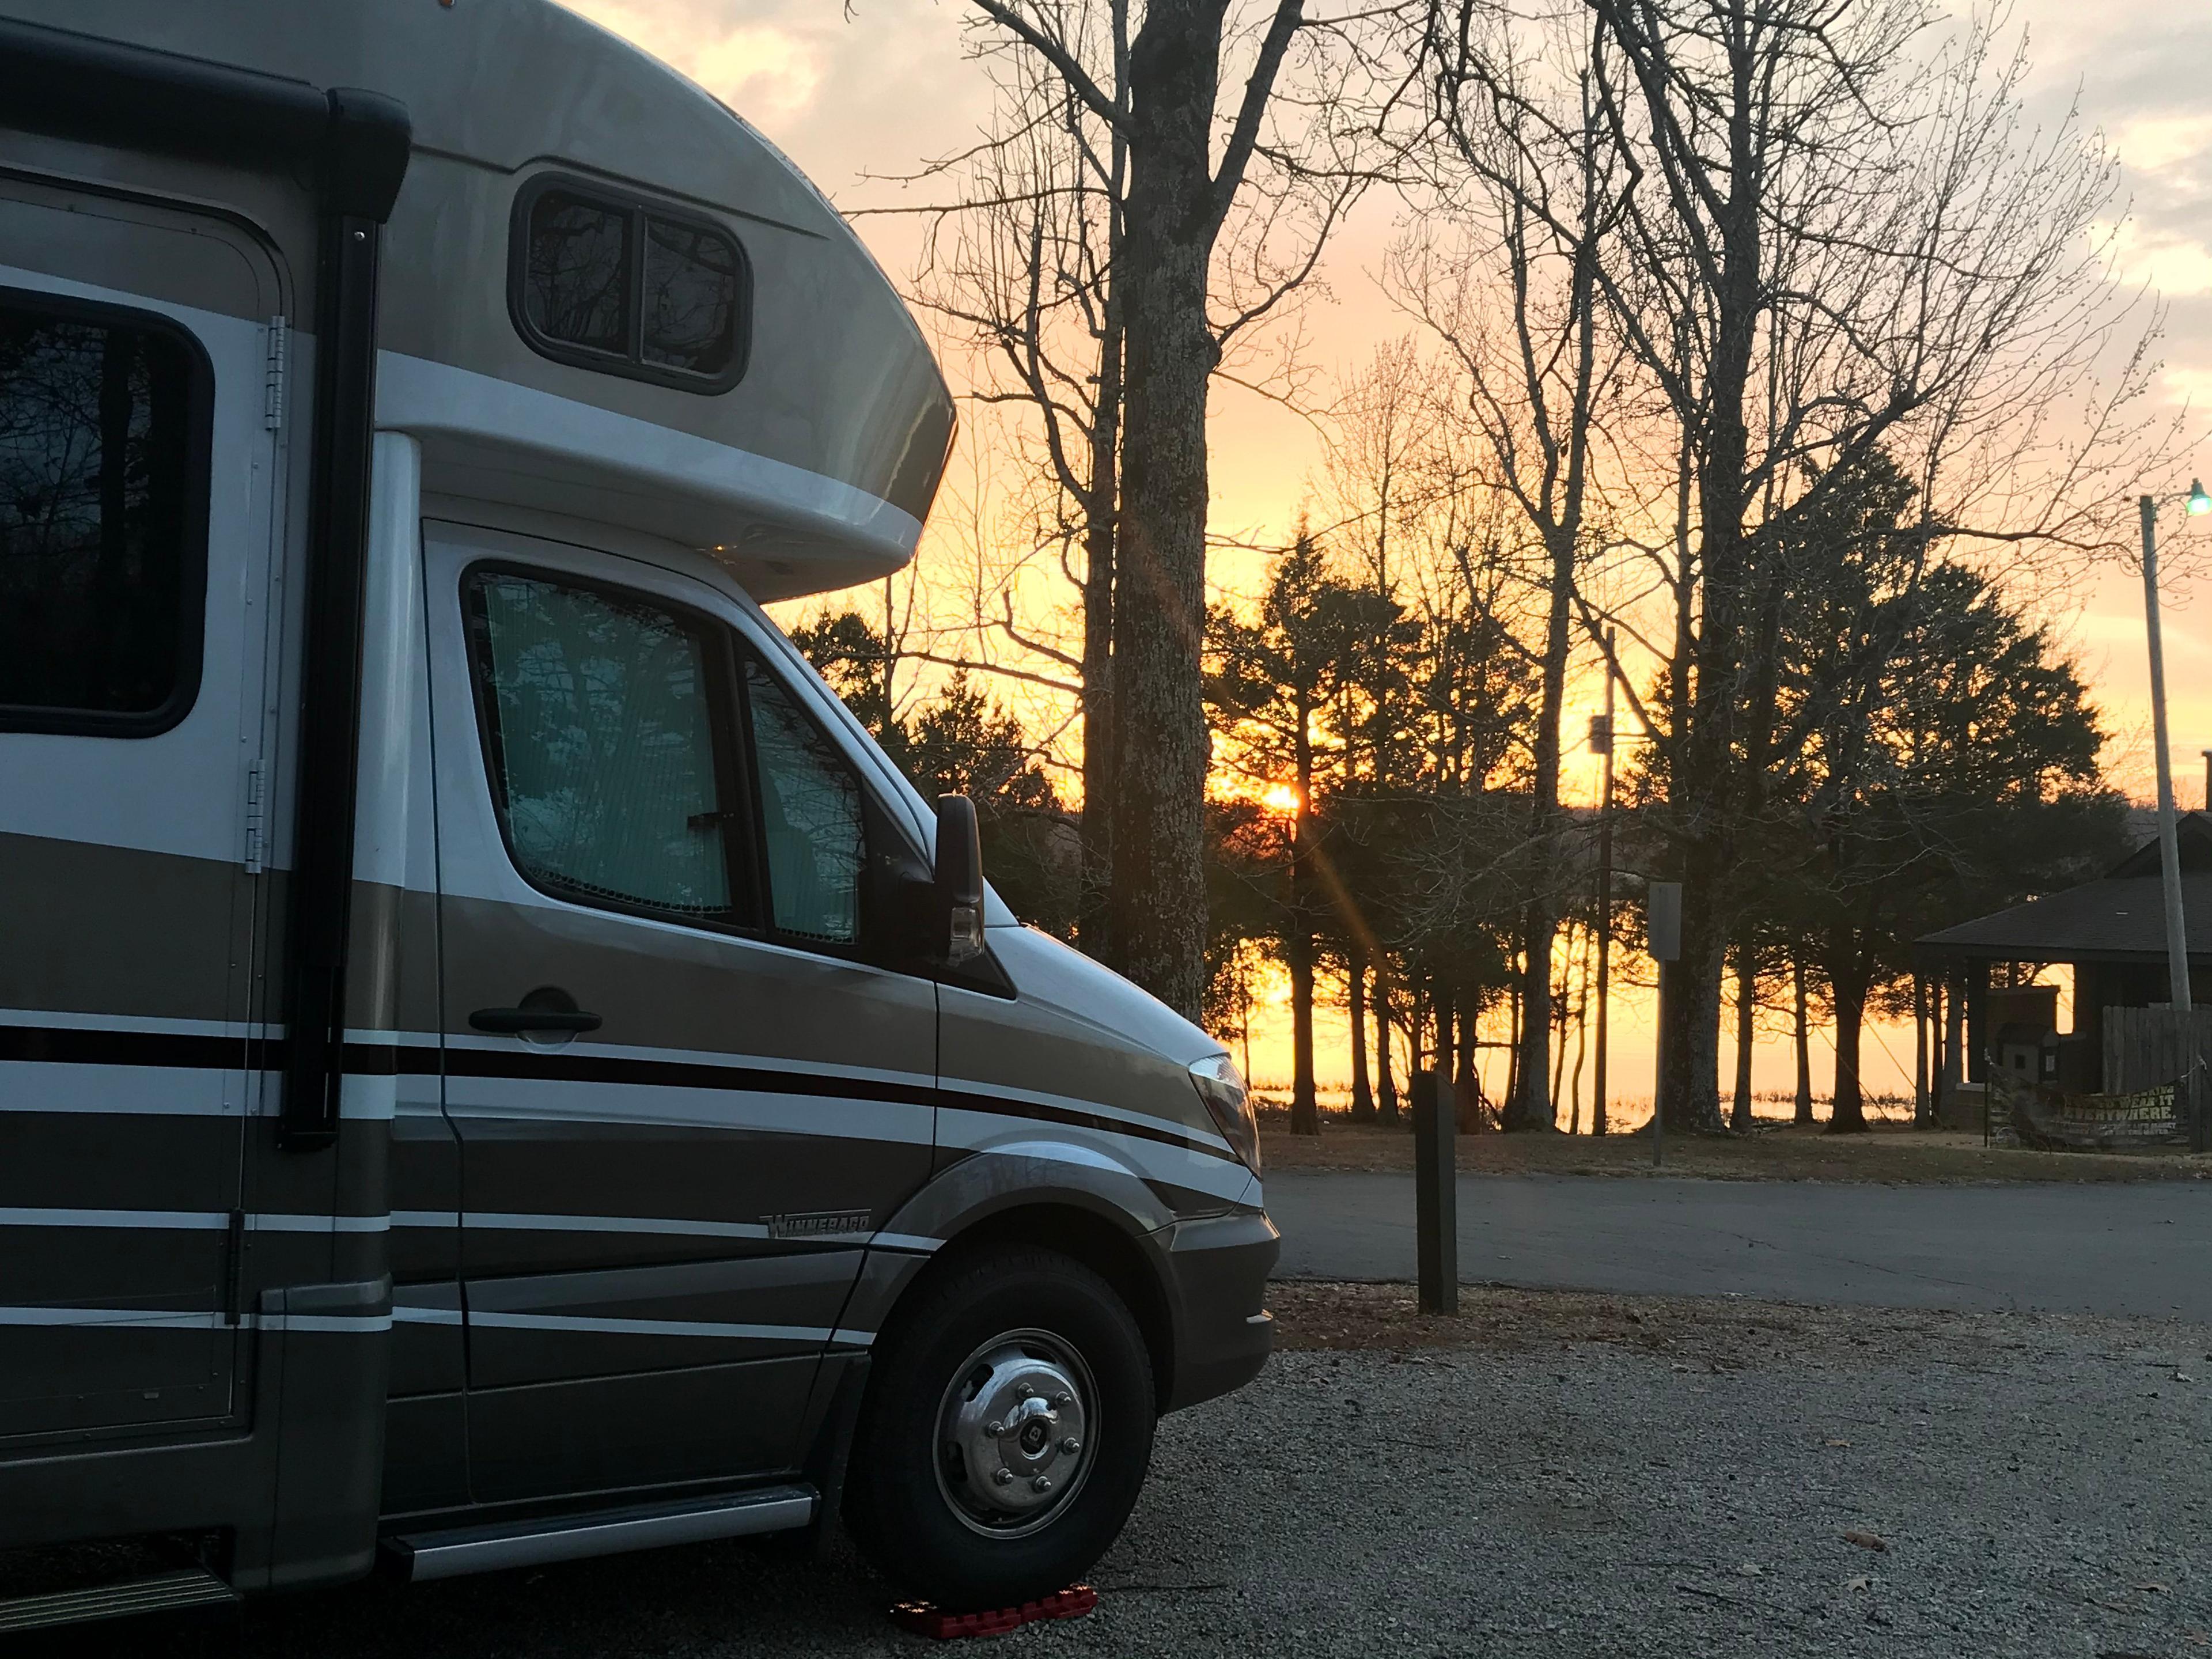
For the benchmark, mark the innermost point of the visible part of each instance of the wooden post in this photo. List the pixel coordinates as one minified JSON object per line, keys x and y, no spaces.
{"x":1436,"y":1193}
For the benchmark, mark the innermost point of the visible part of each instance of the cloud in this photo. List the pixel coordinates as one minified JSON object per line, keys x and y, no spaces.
{"x":755,"y":65}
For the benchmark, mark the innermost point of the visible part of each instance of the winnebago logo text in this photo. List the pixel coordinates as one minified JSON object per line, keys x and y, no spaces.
{"x":820,"y":1224}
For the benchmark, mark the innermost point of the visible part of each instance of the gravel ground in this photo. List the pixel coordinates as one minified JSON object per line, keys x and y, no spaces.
{"x":1548,"y":1474}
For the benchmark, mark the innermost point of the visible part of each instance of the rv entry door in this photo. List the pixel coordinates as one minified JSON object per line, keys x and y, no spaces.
{"x":686,"y":1094}
{"x":139,"y":478}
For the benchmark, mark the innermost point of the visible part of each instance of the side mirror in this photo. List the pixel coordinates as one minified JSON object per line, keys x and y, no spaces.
{"x":960,"y":877}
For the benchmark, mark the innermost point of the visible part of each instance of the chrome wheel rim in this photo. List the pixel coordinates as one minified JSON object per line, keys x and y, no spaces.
{"x":1015,"y":1433}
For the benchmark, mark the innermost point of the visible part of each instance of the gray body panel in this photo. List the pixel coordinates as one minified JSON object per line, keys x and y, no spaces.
{"x":814,"y":472}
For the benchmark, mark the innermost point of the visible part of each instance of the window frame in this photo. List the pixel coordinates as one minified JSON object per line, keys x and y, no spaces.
{"x":193,"y":546}
{"x":641,"y":210}
{"x":733,"y":768}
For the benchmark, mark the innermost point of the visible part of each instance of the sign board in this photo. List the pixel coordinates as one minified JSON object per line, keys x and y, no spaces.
{"x":1663,"y":920}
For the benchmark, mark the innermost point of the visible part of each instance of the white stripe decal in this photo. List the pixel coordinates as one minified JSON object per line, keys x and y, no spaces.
{"x":99,"y":1088}
{"x":166,"y":1220}
{"x":1132,"y":1156}
{"x":239,"y":1030}
{"x":190,"y":1220}
{"x":532,"y":1321}
{"x":142,"y":1319}
{"x":121,"y":1318}
{"x":318,"y":1224}
{"x":554,"y":1100}
{"x":516,"y":1222}
{"x":905,"y":1242}
{"x":139,"y":1319}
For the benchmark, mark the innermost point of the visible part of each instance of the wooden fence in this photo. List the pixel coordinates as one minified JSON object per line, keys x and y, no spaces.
{"x":2149,"y":1048}
{"x":2145,"y":1047}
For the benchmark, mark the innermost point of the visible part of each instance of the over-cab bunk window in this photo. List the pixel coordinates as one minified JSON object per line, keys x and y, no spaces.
{"x":103,"y":430}
{"x":627,"y":286}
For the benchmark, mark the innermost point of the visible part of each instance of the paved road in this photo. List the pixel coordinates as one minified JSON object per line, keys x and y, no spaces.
{"x":2126,"y":1250}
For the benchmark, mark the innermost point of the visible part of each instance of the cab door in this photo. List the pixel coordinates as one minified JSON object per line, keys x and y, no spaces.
{"x":687,"y":1088}
{"x":138,"y":483}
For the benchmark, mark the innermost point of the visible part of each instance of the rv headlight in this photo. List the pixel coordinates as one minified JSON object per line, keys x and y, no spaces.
{"x":1231,"y":1102}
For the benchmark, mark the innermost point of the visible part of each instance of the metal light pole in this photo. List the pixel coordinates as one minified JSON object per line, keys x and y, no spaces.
{"x":2169,"y":845}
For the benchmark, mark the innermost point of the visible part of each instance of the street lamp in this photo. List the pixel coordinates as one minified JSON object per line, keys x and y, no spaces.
{"x":2169,"y":845}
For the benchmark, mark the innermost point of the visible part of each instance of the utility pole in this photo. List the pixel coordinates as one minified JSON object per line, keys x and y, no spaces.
{"x":1601,"y":741}
{"x":2169,"y":845}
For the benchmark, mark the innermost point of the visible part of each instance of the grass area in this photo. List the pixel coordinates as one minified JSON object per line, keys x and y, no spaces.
{"x":1780,"y":1152}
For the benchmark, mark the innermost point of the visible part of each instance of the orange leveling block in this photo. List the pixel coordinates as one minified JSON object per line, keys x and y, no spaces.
{"x":926,"y":1620}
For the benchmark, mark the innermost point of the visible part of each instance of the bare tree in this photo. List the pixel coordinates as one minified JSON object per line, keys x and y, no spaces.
{"x":1522,"y":195}
{"x":1837,"y":237}
{"x":1200,"y":167}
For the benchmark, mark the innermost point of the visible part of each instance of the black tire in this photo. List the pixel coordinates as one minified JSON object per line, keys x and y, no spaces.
{"x":923,"y":1526}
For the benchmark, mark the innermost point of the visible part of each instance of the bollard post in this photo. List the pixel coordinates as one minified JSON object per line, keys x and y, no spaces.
{"x":1436,"y":1193}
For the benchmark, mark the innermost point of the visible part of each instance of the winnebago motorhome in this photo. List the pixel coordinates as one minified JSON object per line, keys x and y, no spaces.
{"x":495,"y":1065}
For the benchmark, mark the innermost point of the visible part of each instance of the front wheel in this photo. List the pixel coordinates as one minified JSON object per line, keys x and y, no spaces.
{"x":1006,"y":1432}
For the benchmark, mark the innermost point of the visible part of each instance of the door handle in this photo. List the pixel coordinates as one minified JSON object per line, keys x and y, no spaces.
{"x":547,"y":1008}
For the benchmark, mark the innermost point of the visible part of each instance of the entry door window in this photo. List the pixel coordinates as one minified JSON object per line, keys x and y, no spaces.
{"x":607,"y":736}
{"x":811,"y":819}
{"x":104,"y":419}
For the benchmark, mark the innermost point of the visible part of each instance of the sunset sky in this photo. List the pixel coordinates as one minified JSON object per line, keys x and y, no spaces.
{"x":857,"y":102}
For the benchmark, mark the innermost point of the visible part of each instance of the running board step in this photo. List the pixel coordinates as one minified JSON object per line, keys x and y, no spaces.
{"x":424,"y":1555}
{"x":161,"y":1592}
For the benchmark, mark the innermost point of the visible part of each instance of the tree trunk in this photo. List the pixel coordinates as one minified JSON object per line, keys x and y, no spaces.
{"x":1299,"y":949}
{"x":1386,"y":1080}
{"x":1847,"y":1116}
{"x":1093,"y":909}
{"x":1157,"y":909}
{"x":1513,"y":1040}
{"x":1747,"y":995}
{"x":1802,"y":1038}
{"x":1582,"y":1043}
{"x":1305,"y":1114}
{"x":1691,"y":1025}
{"x":1922,"y":1114}
{"x":1363,"y":1095}
{"x":1305,"y":1111}
{"x":1447,"y":1035}
{"x":1466,"y":1089}
{"x":1530,"y":1104}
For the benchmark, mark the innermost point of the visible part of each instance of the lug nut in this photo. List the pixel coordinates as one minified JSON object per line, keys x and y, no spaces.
{"x":1005,"y":1477}
{"x":1043,"y":1483}
{"x":1022,"y":1391}
{"x":1070,"y":1445}
{"x":1062,"y":1401}
{"x":994,"y":1430}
